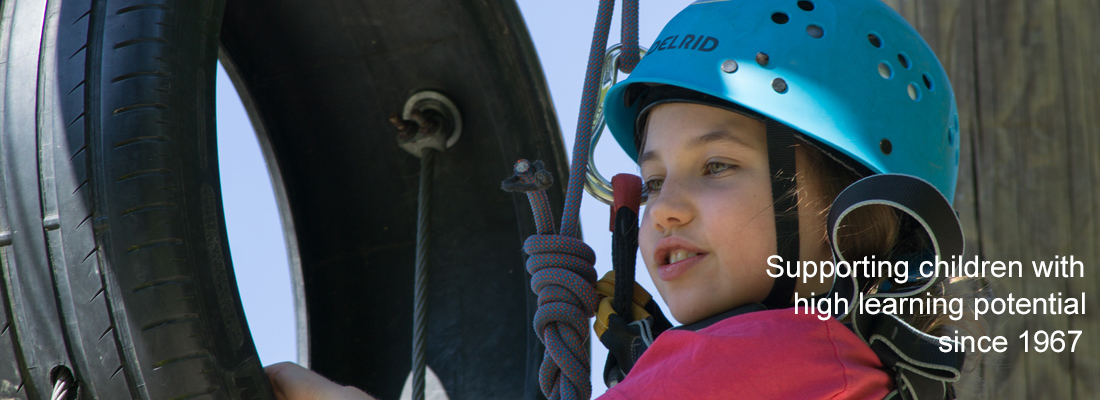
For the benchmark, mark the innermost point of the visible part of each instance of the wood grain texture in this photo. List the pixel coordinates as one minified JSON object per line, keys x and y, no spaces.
{"x":1025,"y":75}
{"x":1080,"y":54}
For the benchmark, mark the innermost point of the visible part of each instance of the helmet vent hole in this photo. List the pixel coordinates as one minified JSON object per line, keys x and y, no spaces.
{"x":885,"y":146}
{"x":806,"y":5}
{"x":914,"y":92}
{"x":885,"y":71}
{"x":780,"y":18}
{"x":950,"y":137}
{"x":875,"y":40}
{"x":779,"y":85}
{"x":815,"y":31}
{"x":927,"y":81}
{"x":903,"y":60}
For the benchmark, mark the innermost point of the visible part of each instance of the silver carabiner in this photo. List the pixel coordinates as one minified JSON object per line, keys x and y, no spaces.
{"x":594,"y":183}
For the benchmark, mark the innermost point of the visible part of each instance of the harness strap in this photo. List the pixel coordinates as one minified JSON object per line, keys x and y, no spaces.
{"x":921,"y":370}
{"x":706,"y":322}
{"x":781,"y":162}
{"x":627,"y":189}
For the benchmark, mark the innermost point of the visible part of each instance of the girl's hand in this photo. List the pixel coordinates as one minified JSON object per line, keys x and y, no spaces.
{"x":292,"y":382}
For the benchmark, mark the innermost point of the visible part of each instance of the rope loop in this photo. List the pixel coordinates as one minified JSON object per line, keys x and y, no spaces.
{"x":563,"y":278}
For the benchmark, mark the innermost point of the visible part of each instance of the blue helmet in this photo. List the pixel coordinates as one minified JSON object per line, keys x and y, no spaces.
{"x":853,"y":76}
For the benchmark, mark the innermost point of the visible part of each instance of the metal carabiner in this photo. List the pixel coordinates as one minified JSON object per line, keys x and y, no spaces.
{"x":594,"y":183}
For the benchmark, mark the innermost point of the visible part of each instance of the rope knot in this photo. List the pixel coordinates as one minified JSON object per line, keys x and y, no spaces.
{"x":563,"y":278}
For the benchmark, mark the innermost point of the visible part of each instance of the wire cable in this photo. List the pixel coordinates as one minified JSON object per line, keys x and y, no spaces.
{"x":420,"y":280}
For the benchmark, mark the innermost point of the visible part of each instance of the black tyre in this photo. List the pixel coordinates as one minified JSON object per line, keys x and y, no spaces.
{"x":115,"y":264}
{"x":115,"y":260}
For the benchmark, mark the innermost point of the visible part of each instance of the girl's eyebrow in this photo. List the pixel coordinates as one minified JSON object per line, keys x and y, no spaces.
{"x":646,"y":157}
{"x":718,"y":136}
{"x":702,"y":140}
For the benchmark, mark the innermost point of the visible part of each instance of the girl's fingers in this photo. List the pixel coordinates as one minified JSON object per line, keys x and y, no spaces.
{"x":291,"y":381}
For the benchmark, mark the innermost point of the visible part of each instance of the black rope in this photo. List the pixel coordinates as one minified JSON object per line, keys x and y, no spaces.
{"x":420,"y":291}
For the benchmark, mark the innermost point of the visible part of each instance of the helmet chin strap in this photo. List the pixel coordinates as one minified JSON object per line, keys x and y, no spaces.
{"x":781,"y":163}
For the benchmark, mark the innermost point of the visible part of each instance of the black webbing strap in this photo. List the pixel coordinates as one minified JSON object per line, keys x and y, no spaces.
{"x":624,"y":253}
{"x":914,"y":196}
{"x":921,"y":370}
{"x":781,"y":161}
{"x":706,"y":322}
{"x":627,"y":189}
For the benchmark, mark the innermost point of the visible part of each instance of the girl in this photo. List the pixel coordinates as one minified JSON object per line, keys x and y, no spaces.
{"x":747,"y":119}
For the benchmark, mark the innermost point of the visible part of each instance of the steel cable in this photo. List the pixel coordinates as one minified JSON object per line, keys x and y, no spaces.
{"x":420,"y":291}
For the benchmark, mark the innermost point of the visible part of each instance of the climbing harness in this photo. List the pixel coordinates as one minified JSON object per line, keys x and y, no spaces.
{"x":422,"y":127}
{"x":561,"y":264}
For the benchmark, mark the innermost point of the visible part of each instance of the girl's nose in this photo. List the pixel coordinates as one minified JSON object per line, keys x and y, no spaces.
{"x":670,"y":208}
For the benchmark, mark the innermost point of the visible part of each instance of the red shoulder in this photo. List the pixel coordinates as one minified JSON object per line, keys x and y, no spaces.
{"x":765,"y":354}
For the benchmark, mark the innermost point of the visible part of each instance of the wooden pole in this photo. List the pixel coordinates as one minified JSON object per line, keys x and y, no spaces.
{"x":1026,"y":75}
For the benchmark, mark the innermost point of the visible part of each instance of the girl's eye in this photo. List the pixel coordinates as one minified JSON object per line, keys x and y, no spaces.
{"x":653,"y":185}
{"x":715,"y":167}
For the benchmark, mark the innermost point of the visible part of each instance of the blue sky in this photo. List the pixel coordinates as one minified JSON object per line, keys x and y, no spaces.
{"x":561,"y":31}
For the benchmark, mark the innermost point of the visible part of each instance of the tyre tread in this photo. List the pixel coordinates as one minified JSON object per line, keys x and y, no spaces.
{"x":78,"y":271}
{"x":104,"y":267}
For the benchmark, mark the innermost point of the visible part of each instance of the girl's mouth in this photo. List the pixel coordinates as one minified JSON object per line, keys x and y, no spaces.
{"x":679,"y":261}
{"x":680,"y":255}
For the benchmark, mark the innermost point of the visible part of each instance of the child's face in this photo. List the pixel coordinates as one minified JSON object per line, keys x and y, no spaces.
{"x":710,"y":201}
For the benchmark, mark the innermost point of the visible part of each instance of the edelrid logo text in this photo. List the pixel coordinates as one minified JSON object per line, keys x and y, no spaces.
{"x":685,"y":42}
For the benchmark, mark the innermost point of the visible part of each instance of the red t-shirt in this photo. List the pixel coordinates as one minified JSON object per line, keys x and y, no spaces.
{"x":760,"y":355}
